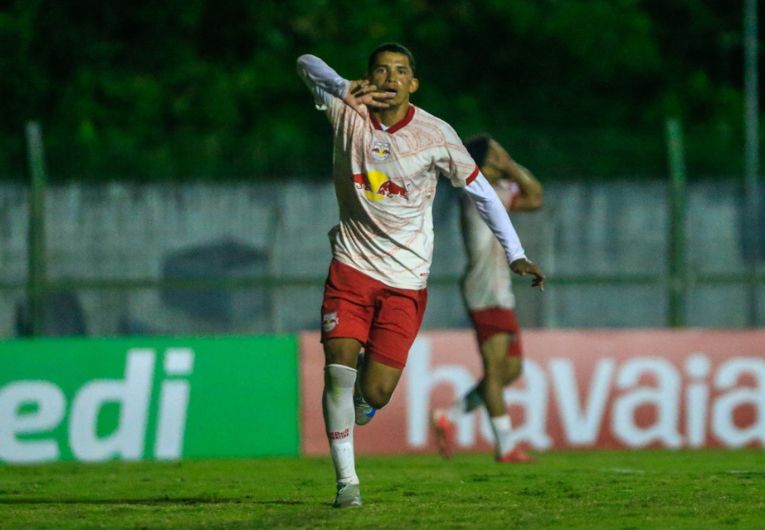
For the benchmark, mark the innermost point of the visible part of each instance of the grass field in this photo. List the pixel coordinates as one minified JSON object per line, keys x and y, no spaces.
{"x":638,"y":489}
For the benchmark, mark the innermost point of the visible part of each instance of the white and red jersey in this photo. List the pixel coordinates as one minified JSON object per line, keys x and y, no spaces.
{"x":487,"y":280}
{"x":385,"y":181}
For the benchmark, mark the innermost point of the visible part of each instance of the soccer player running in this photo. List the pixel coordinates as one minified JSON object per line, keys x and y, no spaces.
{"x":487,"y":293}
{"x":388,"y":155}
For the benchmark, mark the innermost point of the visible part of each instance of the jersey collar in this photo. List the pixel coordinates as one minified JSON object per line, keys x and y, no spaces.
{"x":403,"y":122}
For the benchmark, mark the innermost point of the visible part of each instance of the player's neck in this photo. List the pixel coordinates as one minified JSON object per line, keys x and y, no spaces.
{"x":391,"y":116}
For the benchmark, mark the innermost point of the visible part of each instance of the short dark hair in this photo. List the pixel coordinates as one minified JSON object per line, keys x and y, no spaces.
{"x":394,"y":47}
{"x":478,"y":147}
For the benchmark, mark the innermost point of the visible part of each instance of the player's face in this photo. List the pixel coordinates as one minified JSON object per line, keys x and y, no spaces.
{"x":391,"y":72}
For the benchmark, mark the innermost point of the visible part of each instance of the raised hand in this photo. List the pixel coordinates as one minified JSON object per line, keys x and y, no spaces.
{"x":503,"y":159}
{"x":362,"y":94}
{"x":524,"y":266}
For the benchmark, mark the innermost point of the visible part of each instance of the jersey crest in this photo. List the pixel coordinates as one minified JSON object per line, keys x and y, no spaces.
{"x":381,"y":151}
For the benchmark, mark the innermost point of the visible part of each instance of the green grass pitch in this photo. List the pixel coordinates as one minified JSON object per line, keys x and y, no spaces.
{"x":587,"y":489}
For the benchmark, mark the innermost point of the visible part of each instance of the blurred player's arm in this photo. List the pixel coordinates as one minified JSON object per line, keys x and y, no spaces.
{"x":324,"y":83}
{"x":531,"y":194}
{"x":493,"y":212}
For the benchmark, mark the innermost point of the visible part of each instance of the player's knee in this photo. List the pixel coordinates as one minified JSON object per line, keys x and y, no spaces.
{"x":342,"y":351}
{"x":513,"y":370}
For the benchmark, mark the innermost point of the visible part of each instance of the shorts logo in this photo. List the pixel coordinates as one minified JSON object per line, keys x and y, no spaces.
{"x":329,"y":321}
{"x":381,"y":151}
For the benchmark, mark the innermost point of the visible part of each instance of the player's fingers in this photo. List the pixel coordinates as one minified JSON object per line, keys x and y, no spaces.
{"x":360,"y":109}
{"x":367,"y":89}
{"x":369,"y":99}
{"x":376,"y":99}
{"x":381,"y":95}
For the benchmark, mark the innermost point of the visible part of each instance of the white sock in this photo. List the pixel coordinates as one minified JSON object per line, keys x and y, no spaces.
{"x":339,"y":419}
{"x":502,"y":429}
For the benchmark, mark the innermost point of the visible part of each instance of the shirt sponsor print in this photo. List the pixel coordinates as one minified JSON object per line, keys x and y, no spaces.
{"x":377,"y":186}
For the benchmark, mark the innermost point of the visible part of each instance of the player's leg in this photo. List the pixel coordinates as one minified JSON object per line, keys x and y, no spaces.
{"x":346,"y":314}
{"x":337,"y":401}
{"x":502,"y":365}
{"x":378,"y":381}
{"x":497,"y":367}
{"x":395,"y":326}
{"x":499,"y":339}
{"x":496,"y":373}
{"x":500,"y":370}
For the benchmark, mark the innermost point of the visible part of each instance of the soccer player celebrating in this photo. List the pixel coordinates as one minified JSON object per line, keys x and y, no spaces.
{"x":487,"y":293}
{"x":388,"y":155}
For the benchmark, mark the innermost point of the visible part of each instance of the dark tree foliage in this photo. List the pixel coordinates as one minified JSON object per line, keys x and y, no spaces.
{"x":171,"y":90}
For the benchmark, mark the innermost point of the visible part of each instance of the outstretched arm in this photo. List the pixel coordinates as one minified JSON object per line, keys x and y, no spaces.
{"x":325,"y":84}
{"x":494,"y":214}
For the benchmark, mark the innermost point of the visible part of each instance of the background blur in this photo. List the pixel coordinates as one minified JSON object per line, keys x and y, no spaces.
{"x":163,"y":171}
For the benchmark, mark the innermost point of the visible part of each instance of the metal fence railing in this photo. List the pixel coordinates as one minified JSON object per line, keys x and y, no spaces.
{"x":291,"y":280}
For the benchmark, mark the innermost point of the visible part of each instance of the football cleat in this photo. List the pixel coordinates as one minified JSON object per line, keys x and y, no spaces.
{"x":443,"y":428}
{"x":348,"y":496}
{"x":364,"y":411}
{"x":516,"y":455}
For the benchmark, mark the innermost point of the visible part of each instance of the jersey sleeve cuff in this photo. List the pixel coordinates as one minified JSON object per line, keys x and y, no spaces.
{"x":472,"y":177}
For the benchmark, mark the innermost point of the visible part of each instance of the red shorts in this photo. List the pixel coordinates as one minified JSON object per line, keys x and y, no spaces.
{"x":385,"y":319}
{"x":493,"y":320}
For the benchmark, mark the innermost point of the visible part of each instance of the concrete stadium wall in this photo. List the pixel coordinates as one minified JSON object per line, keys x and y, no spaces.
{"x":122,"y":231}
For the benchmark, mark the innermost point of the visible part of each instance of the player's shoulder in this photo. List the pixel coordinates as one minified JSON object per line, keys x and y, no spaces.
{"x":426,"y":118}
{"x":430,"y":121}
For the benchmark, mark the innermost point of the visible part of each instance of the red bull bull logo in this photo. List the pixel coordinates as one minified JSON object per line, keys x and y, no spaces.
{"x":381,"y":151}
{"x":378,"y":186}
